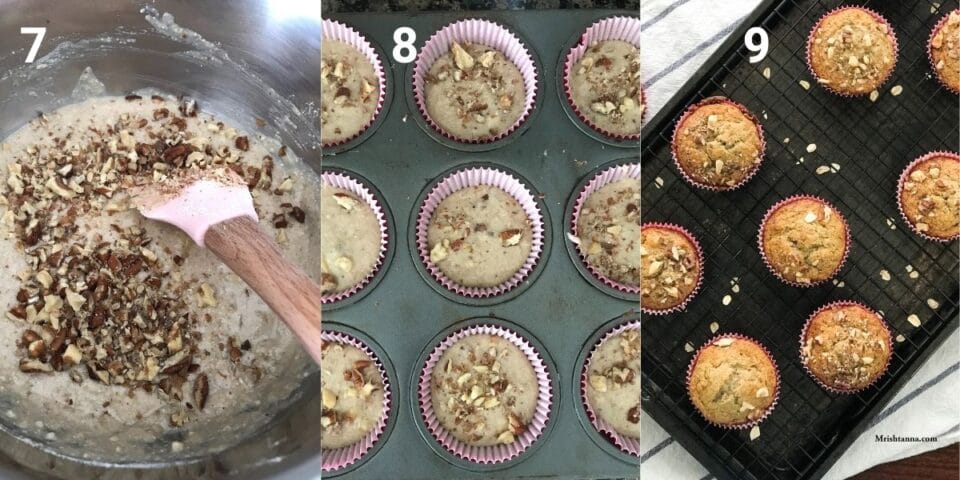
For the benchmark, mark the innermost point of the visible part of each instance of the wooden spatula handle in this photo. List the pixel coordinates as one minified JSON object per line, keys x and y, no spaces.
{"x":254,"y":256}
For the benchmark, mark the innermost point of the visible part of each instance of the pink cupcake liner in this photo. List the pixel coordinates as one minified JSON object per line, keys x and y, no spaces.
{"x":471,"y":177}
{"x":933,"y":64}
{"x":903,"y":178}
{"x":481,"y":32}
{"x":606,"y":177}
{"x":679,"y":125}
{"x":624,"y":443}
{"x":494,"y":453}
{"x":804,"y":358}
{"x":775,"y":207}
{"x":335,"y":459}
{"x":346,"y":182}
{"x":643,"y":105}
{"x":776,"y":392}
{"x":890,"y":32}
{"x":626,"y":29}
{"x":696,"y":288}
{"x":334,"y":30}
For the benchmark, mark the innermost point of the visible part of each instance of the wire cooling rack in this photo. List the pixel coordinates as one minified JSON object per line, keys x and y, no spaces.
{"x":861,"y":148}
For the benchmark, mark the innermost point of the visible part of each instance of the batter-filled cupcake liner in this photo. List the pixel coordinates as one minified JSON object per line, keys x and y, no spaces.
{"x":696,"y":246}
{"x":891,"y":33}
{"x":479,"y":32}
{"x":334,"y":30}
{"x":600,"y":180}
{"x":846,"y":241}
{"x":804,"y":359}
{"x":623,"y":442}
{"x":626,"y":29}
{"x":493,"y":453}
{"x":336,"y":458}
{"x":933,"y":64}
{"x":472,"y":177}
{"x":776,"y":392}
{"x":686,"y":115}
{"x":903,"y":178}
{"x":352,"y":185}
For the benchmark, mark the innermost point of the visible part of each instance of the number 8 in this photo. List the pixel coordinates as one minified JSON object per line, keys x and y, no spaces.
{"x":759,"y":48}
{"x":404,"y":51}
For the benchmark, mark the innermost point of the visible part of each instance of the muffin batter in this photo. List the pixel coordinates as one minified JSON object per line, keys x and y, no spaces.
{"x":349,"y":92}
{"x":609,"y":230}
{"x":605,"y":84}
{"x":484,"y":390}
{"x":613,"y":382}
{"x":479,"y":236}
{"x":349,"y":239}
{"x":473,"y":92}
{"x":352,"y":395}
{"x":124,"y":321}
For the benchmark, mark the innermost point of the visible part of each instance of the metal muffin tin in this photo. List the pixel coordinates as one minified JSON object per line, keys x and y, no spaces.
{"x":560,"y":312}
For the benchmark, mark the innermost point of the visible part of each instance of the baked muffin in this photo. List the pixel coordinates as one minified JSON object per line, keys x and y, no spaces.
{"x":352,"y":395}
{"x":605,"y":87}
{"x":944,"y":49}
{"x":479,"y":236}
{"x":852,"y":51}
{"x":613,"y":383}
{"x":804,"y":240}
{"x":718,"y":144}
{"x":608,"y":227}
{"x":671,"y":265}
{"x":845,"y":346}
{"x":349,"y":92}
{"x":484,"y":390}
{"x":474,"y":92}
{"x":349,"y":240}
{"x":930,"y":195}
{"x":732,"y":381}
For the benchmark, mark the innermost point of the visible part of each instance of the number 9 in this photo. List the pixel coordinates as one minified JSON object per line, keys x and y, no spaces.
{"x":759,"y":48}
{"x":404,"y":51}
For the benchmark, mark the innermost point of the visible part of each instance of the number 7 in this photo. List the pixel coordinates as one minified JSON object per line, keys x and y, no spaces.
{"x":39,"y":32}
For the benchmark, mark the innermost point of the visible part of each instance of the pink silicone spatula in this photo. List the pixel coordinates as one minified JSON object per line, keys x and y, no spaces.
{"x":216,"y":210}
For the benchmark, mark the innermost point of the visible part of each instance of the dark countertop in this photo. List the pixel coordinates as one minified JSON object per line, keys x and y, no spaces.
{"x":339,"y":6}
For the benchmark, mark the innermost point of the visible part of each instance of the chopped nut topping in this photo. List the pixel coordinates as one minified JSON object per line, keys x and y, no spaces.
{"x":633,"y":414}
{"x":438,"y":253}
{"x":206,"y":296}
{"x":112,"y":302}
{"x":598,"y":382}
{"x":329,"y":399}
{"x":461,"y":58}
{"x":724,"y":342}
{"x":511,"y":237}
{"x":345,"y":201}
